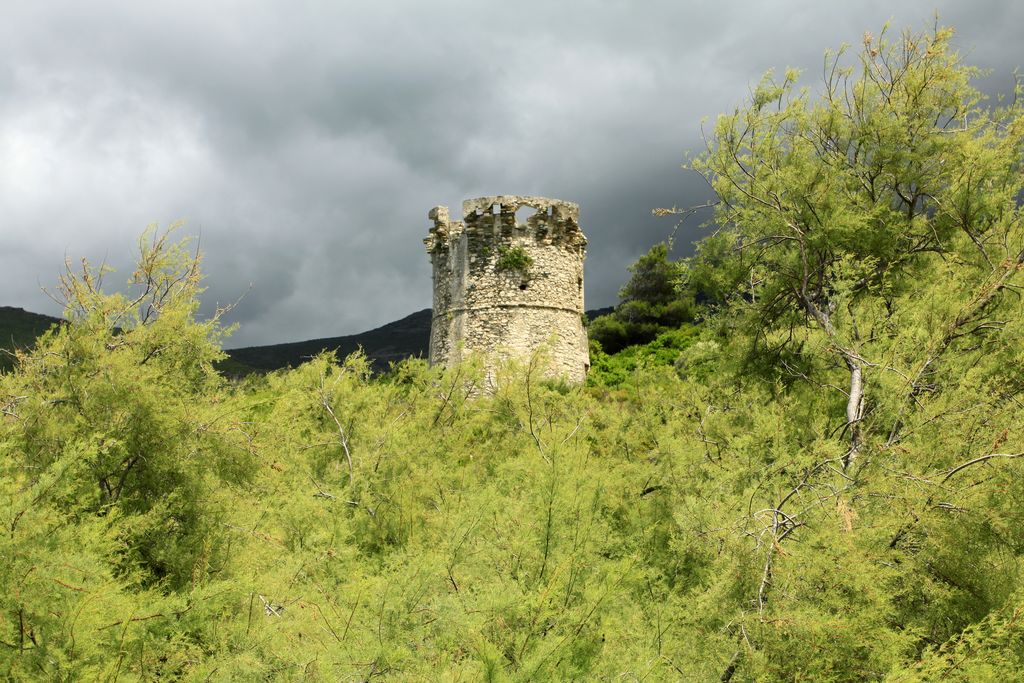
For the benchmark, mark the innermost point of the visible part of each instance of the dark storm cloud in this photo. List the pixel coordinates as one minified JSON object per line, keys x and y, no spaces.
{"x":305,"y":142}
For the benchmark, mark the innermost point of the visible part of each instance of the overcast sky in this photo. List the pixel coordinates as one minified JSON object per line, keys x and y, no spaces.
{"x":306,"y":141}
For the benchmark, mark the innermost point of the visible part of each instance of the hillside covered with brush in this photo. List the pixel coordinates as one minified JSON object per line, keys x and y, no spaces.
{"x":803,"y":461}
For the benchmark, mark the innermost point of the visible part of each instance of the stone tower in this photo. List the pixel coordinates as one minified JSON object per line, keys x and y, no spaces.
{"x":504,"y":288}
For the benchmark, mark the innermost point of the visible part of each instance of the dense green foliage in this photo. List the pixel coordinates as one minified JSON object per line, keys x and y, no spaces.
{"x":651,"y":303}
{"x":821,"y":481}
{"x":663,"y":295}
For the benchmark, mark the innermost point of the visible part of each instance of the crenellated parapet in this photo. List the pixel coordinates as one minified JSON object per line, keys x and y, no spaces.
{"x":494,"y":219}
{"x":440,"y":235}
{"x":507,"y":286}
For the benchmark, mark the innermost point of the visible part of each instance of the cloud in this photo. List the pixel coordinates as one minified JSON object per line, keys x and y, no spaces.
{"x":304,"y":142}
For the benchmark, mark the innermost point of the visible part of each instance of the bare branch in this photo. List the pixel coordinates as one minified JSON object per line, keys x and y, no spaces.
{"x":325,"y":401}
{"x":983,"y":458}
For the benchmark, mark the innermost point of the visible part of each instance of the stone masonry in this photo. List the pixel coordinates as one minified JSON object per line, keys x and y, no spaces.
{"x":507,"y":289}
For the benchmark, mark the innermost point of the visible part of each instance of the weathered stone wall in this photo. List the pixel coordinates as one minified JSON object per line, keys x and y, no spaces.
{"x":483,"y":308}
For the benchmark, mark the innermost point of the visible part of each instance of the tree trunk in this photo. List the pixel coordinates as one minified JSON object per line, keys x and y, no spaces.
{"x":855,"y":364}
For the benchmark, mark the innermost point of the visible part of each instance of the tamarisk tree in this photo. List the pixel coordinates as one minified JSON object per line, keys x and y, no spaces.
{"x":838,"y":199}
{"x":873,"y":224}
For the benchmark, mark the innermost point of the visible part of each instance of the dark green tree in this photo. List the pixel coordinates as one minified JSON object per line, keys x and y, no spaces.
{"x":652,"y":302}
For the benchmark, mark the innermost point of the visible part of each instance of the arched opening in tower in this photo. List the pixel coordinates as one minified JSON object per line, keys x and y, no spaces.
{"x":523,"y":213}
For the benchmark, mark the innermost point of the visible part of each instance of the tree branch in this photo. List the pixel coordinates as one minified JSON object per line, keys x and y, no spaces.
{"x":983,"y":458}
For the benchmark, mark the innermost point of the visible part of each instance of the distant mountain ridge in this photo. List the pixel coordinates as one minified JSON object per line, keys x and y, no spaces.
{"x":408,"y":337}
{"x":19,"y":329}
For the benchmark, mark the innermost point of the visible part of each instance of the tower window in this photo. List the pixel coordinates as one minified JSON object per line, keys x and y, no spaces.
{"x":523,"y":214}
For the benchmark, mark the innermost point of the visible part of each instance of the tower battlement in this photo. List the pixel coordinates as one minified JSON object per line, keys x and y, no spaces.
{"x":505,"y":287}
{"x":495,"y":219}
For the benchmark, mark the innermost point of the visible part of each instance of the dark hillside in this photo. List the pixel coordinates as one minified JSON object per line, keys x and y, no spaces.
{"x":408,"y":337}
{"x":19,"y":329}
{"x":395,"y":341}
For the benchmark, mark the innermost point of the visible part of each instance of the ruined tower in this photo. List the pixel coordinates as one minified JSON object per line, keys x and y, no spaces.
{"x":506,"y":288}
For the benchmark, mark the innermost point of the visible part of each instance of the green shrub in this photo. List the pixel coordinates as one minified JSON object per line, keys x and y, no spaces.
{"x":513,"y":259}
